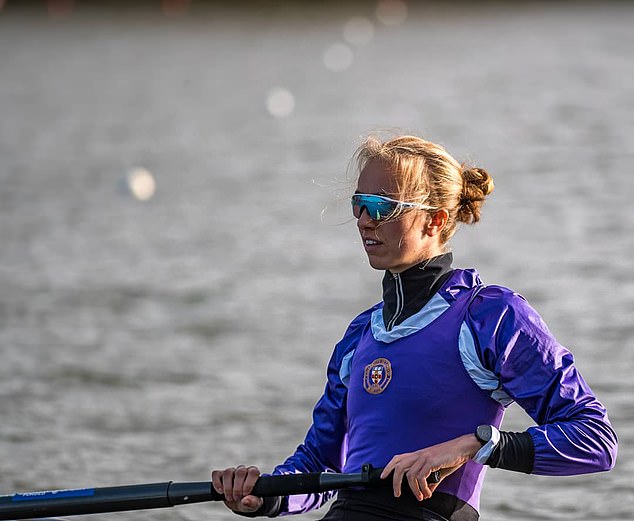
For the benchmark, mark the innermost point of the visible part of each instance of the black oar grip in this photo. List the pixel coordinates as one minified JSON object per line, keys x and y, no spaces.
{"x":287,"y":484}
{"x":372,"y":476}
{"x":308,"y":483}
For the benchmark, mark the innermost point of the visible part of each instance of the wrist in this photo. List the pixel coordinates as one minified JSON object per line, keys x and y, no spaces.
{"x":488,"y":437}
{"x":472,"y":445}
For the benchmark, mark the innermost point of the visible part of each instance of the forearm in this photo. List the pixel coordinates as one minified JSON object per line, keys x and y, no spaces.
{"x":515,"y":451}
{"x":563,"y":448}
{"x":574,"y":447}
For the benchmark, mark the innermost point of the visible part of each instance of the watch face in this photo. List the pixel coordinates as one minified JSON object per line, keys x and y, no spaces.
{"x":484,"y":433}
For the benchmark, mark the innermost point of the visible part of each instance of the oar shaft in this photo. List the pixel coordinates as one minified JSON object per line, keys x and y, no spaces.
{"x":84,"y":501}
{"x":160,"y":495}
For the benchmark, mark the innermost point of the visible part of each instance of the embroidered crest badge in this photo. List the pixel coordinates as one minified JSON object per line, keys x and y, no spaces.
{"x":377,"y":376}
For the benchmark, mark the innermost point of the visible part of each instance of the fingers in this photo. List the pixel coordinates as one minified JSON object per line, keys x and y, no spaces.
{"x":397,"y":479}
{"x":236,"y":484}
{"x":414,"y":485}
{"x":398,"y":466}
{"x":244,"y":480}
{"x":216,"y":481}
{"x":423,"y":486}
{"x":415,"y":471}
{"x":417,"y":481}
{"x":387,"y":470}
{"x":228,"y":483}
{"x":417,"y":478}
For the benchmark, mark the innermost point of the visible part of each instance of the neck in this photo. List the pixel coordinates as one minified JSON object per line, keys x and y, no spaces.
{"x":435,"y":253}
{"x":406,"y":292}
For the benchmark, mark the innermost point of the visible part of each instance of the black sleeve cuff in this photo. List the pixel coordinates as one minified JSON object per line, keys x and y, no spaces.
{"x":515,"y":451}
{"x":270,"y":507}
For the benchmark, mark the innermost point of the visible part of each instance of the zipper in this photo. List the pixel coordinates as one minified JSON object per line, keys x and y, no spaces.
{"x":400,"y":301}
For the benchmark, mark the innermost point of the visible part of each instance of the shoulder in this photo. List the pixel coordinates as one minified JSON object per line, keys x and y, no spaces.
{"x":364,"y":317}
{"x":488,"y":301}
{"x":497,"y":299}
{"x":505,"y":307}
{"x":511,"y":336}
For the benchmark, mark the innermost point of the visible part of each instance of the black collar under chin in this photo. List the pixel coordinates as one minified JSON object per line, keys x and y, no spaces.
{"x":405,"y":293}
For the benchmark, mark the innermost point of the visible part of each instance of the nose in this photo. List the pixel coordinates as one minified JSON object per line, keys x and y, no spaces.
{"x":364,"y":220}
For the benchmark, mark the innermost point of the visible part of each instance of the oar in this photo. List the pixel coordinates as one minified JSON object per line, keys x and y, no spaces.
{"x":54,"y":503}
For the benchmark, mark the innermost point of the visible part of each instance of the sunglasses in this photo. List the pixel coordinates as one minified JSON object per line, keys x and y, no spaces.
{"x":380,"y":208}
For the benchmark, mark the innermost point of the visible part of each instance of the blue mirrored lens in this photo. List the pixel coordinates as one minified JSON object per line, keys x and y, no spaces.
{"x":377,"y":207}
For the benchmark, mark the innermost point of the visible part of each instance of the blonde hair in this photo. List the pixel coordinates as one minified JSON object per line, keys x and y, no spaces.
{"x":425,"y":173}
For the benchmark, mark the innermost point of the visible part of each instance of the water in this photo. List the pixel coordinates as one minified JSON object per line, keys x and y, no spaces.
{"x":154,"y":341}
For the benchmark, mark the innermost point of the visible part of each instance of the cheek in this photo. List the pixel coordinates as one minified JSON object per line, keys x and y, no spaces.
{"x":400,"y":233}
{"x":413,"y":232}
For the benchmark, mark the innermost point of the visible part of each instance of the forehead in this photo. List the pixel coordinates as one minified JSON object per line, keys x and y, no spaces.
{"x":376,"y":178}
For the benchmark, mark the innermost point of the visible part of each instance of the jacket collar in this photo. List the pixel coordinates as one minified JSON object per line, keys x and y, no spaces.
{"x":404,"y":294}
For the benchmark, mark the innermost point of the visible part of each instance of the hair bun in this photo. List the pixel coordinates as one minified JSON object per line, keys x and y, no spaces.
{"x":477,"y":184}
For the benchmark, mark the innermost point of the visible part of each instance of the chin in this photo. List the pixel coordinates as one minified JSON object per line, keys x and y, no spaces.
{"x":377,"y":264}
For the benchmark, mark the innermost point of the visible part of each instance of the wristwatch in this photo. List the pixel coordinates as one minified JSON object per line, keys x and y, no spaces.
{"x":484,"y":433}
{"x":489,"y":437}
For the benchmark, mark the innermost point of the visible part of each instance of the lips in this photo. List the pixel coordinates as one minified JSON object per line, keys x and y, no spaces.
{"x":370,"y":242}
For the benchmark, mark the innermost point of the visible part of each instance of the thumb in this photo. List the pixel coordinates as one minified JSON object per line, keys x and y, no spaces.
{"x":252,"y":502}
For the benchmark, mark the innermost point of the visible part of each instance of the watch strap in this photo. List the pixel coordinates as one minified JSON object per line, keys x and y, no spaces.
{"x":485,"y":452}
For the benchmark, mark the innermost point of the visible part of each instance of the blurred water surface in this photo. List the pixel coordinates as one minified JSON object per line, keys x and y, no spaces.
{"x":149,"y":341}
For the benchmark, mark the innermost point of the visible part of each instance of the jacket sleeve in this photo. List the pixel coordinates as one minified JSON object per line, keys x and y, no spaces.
{"x":573,"y":434}
{"x":323,"y":449}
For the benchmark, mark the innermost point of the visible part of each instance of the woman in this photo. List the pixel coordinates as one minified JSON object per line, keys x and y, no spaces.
{"x":420,"y":381}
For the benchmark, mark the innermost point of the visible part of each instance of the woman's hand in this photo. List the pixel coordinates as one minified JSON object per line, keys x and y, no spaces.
{"x":447,"y":457}
{"x":236,"y":485}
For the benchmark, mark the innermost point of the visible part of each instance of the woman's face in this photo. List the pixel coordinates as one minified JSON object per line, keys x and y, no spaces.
{"x":397,"y":244}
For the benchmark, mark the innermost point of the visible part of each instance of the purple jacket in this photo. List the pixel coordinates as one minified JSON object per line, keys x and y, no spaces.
{"x":507,"y":352}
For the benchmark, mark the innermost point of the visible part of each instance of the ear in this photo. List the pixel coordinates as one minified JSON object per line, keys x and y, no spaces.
{"x":436,"y":222}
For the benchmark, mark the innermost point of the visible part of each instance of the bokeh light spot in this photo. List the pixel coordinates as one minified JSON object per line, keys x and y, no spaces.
{"x":280,"y":102}
{"x":141,"y":184}
{"x":391,"y":12}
